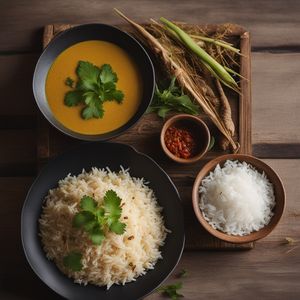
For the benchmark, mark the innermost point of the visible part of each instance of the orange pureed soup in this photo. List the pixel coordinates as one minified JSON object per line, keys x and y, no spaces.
{"x":98,"y":53}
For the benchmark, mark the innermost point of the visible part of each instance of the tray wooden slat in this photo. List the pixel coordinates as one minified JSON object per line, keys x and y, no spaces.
{"x":144,"y":136}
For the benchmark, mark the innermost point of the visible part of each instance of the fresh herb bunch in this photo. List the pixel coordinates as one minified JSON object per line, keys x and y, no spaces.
{"x":94,"y":87}
{"x":94,"y":220}
{"x":172,"y":99}
{"x":171,"y":290}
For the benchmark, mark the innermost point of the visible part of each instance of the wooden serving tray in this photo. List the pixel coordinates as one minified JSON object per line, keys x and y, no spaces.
{"x":144,"y":136}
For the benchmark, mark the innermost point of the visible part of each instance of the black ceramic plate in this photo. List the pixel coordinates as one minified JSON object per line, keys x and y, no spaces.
{"x":103,"y":155}
{"x":85,"y":33}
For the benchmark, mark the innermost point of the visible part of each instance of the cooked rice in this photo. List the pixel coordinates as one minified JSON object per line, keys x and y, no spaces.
{"x":237,"y":199}
{"x":120,"y":258}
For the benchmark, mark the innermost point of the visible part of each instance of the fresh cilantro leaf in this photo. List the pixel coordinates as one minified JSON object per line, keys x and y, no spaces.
{"x":81,"y":87}
{"x":94,"y":109}
{"x":73,"y":98}
{"x":162,"y":112}
{"x":118,"y":227}
{"x":113,"y":212}
{"x":172,"y":290}
{"x":90,"y":97}
{"x":112,"y":204}
{"x":100,"y":213}
{"x":107,"y":74}
{"x":184,"y":103}
{"x":94,"y":86}
{"x":96,"y":219}
{"x":69,"y":82}
{"x":106,"y":91}
{"x":118,"y":96}
{"x":82,"y":218}
{"x":172,"y":99}
{"x":89,"y":226}
{"x":172,"y":87}
{"x":112,"y":94}
{"x":88,"y":204}
{"x":97,"y":236}
{"x":88,"y":73}
{"x":73,"y":261}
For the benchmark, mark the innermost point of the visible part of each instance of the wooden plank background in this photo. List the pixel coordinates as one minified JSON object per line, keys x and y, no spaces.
{"x":272,"y":269}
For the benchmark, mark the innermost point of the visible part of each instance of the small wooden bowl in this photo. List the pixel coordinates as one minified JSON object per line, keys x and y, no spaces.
{"x":198,"y":126}
{"x":261,"y":167}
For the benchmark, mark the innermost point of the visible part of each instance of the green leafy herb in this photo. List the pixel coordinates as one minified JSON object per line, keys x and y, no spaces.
{"x":69,"y":82}
{"x":95,"y":219}
{"x":72,"y":98}
{"x":73,"y":261}
{"x":172,"y":99}
{"x":94,"y":86}
{"x":172,"y":290}
{"x":182,"y":274}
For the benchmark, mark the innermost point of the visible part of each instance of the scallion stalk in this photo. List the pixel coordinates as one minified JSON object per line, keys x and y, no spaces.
{"x":218,"y":70}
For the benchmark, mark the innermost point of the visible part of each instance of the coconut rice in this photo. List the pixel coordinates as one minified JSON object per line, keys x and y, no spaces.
{"x":120,"y":258}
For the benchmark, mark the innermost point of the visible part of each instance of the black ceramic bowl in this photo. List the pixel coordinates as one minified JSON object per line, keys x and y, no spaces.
{"x":102,"y":155}
{"x":93,"y":32}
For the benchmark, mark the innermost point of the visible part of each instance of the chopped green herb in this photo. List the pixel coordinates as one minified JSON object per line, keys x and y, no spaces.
{"x":171,"y":290}
{"x":69,"y":82}
{"x":182,"y":274}
{"x":172,"y":99}
{"x":94,"y":86}
{"x":94,"y":219}
{"x":73,"y":261}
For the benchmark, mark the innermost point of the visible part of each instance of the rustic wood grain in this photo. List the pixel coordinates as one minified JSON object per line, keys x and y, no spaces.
{"x":148,"y":130}
{"x":276,"y":150}
{"x":16,"y":85}
{"x":276,"y":104}
{"x":14,"y":268}
{"x":272,"y":23}
{"x":17,"y":152}
{"x":266,"y":272}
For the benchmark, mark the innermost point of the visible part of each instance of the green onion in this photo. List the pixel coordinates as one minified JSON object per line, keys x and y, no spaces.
{"x":218,"y":70}
{"x":234,"y":73}
{"x":222,"y":44}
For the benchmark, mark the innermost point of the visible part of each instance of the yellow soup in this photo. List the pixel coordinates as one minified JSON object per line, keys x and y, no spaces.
{"x":98,"y":53}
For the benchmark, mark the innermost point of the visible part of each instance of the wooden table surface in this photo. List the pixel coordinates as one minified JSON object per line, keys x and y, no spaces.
{"x":272,"y":269}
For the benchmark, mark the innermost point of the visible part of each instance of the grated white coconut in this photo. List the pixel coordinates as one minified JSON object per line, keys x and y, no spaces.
{"x":120,"y":258}
{"x":236,"y":199}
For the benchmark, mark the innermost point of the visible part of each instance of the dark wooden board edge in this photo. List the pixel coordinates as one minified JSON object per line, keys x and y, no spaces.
{"x":43,"y":142}
{"x":245,"y":119}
